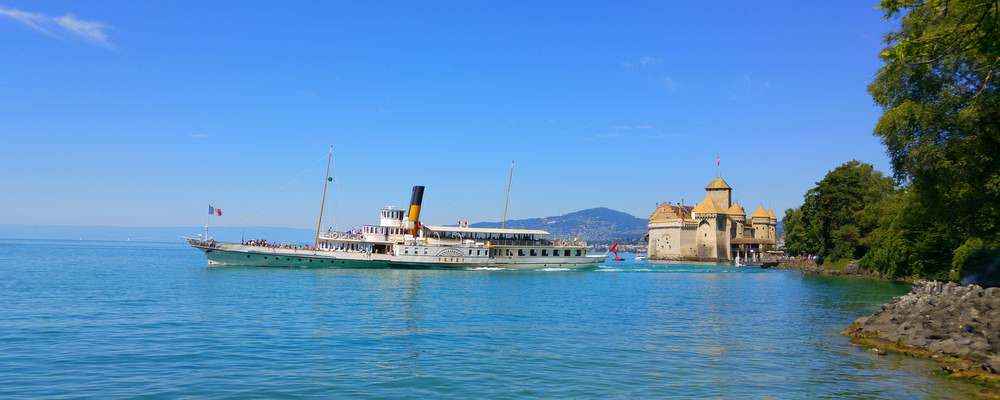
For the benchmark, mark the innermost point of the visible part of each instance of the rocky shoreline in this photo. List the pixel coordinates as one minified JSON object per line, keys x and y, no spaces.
{"x":959,"y":326}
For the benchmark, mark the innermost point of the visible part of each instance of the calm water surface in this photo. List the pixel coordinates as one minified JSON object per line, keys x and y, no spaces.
{"x":123,"y":319}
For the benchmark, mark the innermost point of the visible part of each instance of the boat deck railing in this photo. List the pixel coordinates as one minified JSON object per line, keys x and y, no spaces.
{"x":538,"y":243}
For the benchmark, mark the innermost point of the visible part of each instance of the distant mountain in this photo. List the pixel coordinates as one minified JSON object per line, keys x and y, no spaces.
{"x":596,"y":225}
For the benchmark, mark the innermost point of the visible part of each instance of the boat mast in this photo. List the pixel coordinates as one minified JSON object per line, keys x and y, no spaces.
{"x":506,"y":202}
{"x":326,"y":182}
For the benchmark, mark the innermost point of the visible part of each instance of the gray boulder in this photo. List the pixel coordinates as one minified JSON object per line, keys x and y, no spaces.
{"x":942,"y":318}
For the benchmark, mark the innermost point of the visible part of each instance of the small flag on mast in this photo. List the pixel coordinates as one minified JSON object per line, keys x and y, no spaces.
{"x":218,"y":212}
{"x":211,"y":210}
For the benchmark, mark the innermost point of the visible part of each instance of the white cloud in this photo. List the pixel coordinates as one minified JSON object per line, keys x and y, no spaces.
{"x":748,"y":87}
{"x":643,"y":62}
{"x":647,"y":61}
{"x":92,"y":31}
{"x":32,"y":20}
{"x":67,"y":25}
{"x":668,"y":83}
{"x":654,"y":70}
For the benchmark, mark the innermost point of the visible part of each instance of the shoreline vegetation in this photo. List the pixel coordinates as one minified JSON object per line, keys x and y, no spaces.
{"x":845,"y":268}
{"x":938,"y":216}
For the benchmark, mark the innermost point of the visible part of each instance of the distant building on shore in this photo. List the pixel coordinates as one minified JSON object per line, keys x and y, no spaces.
{"x":716,"y":229}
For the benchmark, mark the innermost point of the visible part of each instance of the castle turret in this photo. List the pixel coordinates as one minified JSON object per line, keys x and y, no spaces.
{"x":773,"y":234}
{"x":738,"y":219}
{"x":721,"y":193}
{"x":760,"y":221}
{"x":712,"y":235}
{"x":736,"y":212}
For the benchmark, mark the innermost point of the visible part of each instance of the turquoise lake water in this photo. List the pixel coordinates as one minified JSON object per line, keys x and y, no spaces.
{"x":125,"y":319}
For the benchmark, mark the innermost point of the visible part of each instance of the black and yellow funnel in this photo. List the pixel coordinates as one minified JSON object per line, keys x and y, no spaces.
{"x":414,"y":214}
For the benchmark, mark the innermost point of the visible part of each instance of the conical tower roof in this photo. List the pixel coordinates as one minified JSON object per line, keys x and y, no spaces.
{"x":707,"y":206}
{"x":760,"y":212}
{"x":717,"y":183}
{"x":736,"y":209}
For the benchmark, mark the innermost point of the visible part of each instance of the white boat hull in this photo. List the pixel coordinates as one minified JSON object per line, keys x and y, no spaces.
{"x":226,"y":254}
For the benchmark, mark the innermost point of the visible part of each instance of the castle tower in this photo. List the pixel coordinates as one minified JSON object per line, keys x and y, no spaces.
{"x":712,"y":234}
{"x":760,"y":220}
{"x":664,"y":231}
{"x":738,"y":218}
{"x":721,"y":193}
{"x":773,"y":233}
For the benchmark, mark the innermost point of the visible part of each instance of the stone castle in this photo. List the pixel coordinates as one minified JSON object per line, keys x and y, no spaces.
{"x":716,"y":229}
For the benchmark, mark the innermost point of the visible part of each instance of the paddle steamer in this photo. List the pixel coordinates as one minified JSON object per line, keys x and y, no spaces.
{"x":401,"y":240}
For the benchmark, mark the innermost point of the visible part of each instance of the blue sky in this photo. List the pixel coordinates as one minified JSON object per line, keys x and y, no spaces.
{"x":142,"y":113}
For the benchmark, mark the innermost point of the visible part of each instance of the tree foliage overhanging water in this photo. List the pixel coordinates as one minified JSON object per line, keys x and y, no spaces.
{"x":941,"y":128}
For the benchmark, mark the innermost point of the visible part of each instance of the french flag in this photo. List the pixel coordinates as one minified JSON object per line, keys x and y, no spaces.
{"x":214,"y":211}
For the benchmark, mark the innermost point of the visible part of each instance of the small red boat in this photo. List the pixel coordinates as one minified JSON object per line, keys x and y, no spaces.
{"x":614,"y":249}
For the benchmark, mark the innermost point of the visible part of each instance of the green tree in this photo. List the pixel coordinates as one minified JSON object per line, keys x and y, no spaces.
{"x":798,"y":239}
{"x":839,"y":213}
{"x":941,"y":127}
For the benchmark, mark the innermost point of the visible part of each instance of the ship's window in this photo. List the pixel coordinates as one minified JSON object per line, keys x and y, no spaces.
{"x":470,"y":252}
{"x":520,"y":252}
{"x":578,"y":253}
{"x":532,"y":252}
{"x":566,"y":252}
{"x":406,"y":252}
{"x":545,"y":252}
{"x":248,"y":256}
{"x":509,"y":253}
